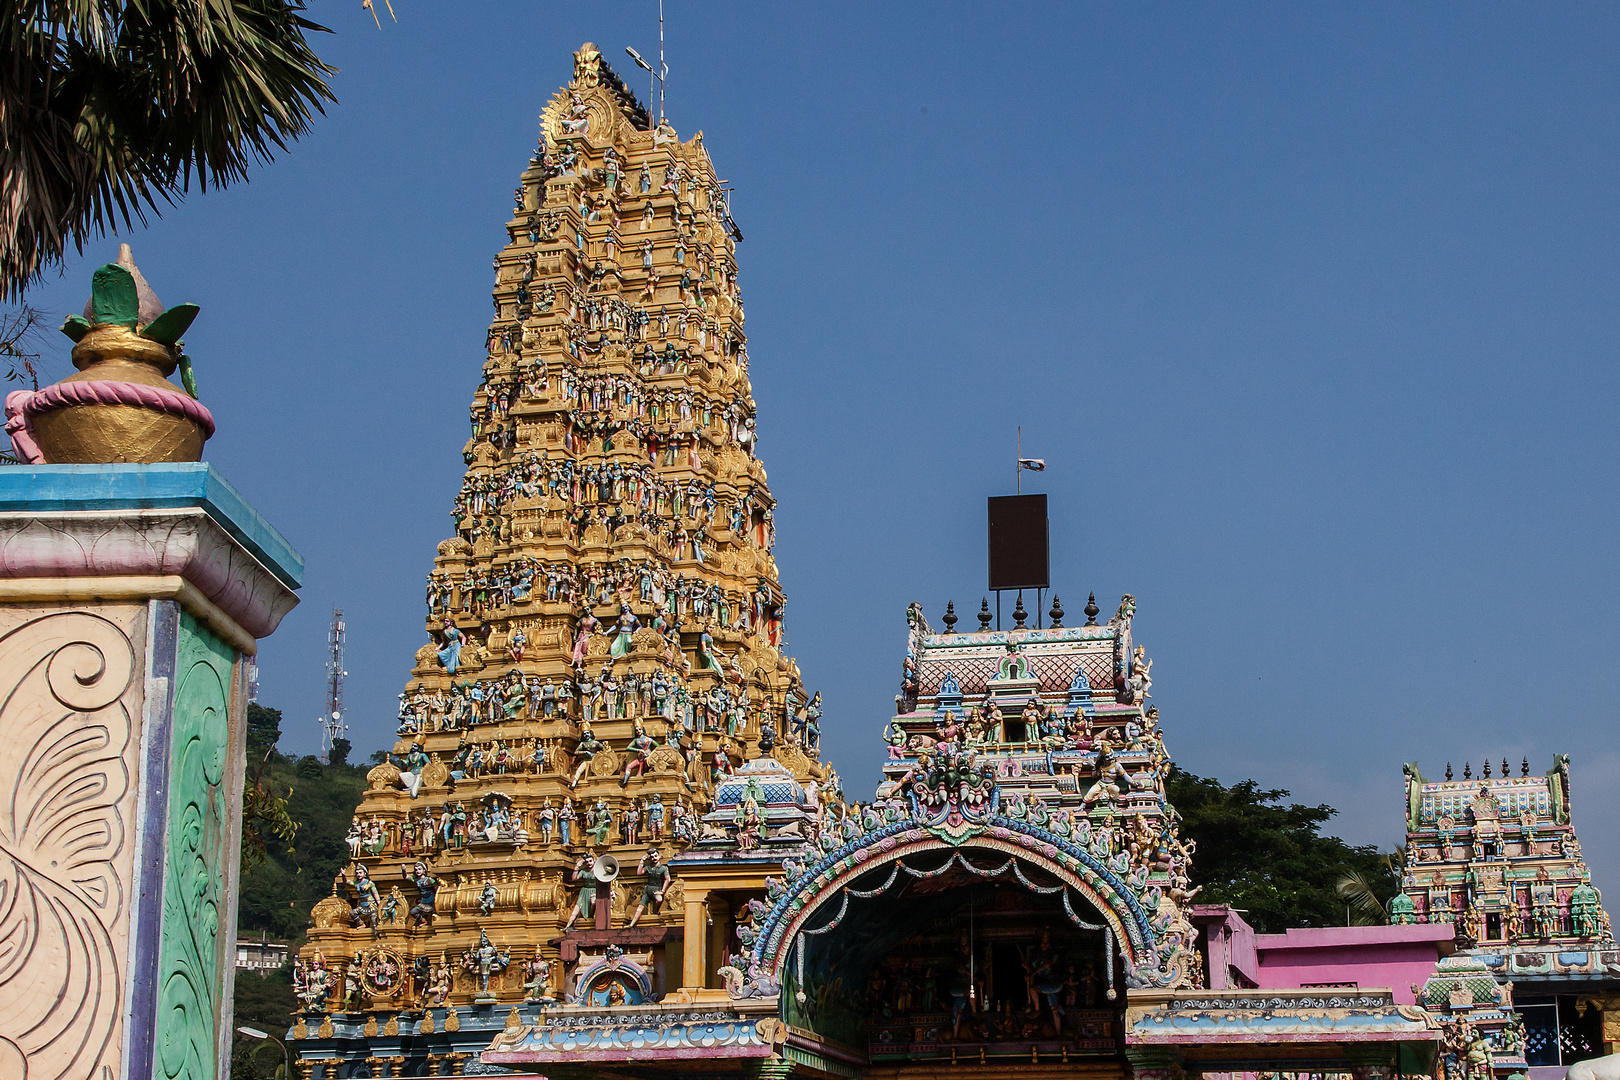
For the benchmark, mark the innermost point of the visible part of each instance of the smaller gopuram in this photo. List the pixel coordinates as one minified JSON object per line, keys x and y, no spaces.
{"x":1016,"y":874}
{"x":135,"y":584}
{"x":1497,"y":857}
{"x":1013,"y":899}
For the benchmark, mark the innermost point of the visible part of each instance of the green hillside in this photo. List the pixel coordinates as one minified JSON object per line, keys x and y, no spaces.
{"x":296,"y":815}
{"x":283,"y":878}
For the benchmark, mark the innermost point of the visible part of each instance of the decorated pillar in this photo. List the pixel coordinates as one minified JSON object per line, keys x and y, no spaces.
{"x":134,"y":586}
{"x":694,"y":949}
{"x":718,"y":918}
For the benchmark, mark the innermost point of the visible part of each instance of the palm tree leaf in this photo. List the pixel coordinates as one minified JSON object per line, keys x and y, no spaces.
{"x":1366,"y":909}
{"x":107,"y":111}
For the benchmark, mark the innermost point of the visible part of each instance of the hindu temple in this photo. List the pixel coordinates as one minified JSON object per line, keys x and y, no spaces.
{"x":605,"y":844}
{"x":1496,"y":858}
{"x":604,"y":629}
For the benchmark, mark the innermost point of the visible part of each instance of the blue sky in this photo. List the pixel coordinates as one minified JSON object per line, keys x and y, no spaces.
{"x":1311,"y":310}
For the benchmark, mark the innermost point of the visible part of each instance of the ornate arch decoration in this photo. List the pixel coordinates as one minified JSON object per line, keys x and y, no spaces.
{"x":595,"y":984}
{"x":1146,"y":924}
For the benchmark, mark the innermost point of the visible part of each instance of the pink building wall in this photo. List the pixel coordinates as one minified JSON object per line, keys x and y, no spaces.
{"x":1365,"y":956}
{"x":1391,"y":957}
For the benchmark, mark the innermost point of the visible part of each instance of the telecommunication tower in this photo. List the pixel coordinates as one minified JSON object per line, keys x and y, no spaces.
{"x":332,"y":724}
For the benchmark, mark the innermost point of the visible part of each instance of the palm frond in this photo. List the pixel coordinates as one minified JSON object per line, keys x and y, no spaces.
{"x":109,"y":110}
{"x":1363,"y":903}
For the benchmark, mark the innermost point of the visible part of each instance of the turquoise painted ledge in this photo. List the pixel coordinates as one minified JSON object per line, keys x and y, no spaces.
{"x":151,"y":487}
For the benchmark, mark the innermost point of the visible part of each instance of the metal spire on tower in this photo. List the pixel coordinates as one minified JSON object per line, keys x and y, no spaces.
{"x":333,"y":726}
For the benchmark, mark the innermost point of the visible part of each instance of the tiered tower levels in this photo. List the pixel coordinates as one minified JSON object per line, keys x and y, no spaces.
{"x":1498,"y":856}
{"x":607,"y":618}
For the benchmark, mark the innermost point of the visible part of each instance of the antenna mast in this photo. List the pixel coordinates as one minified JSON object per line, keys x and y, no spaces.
{"x":654,"y":74}
{"x":333,"y":726}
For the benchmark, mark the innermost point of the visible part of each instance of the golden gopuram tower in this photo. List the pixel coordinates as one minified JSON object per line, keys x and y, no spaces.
{"x":606,"y":620}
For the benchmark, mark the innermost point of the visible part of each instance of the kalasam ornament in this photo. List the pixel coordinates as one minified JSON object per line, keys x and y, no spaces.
{"x":121,"y":406}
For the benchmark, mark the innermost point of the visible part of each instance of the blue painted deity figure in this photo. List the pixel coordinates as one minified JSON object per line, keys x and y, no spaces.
{"x":427,"y":888}
{"x":485,"y":960}
{"x":546,"y":817}
{"x":368,"y":900}
{"x":450,"y":654}
{"x":566,"y":816}
{"x":655,"y":818}
{"x":411,"y":766}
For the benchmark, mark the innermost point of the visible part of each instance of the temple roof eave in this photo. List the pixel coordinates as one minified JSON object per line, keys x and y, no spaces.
{"x":1187,"y":1019}
{"x":654,"y":1032}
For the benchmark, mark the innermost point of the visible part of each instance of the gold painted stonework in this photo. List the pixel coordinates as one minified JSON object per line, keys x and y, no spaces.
{"x":617,"y":354}
{"x":113,"y":434}
{"x":99,"y":434}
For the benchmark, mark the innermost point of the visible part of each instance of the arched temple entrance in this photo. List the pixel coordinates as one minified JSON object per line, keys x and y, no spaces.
{"x":958,"y":953}
{"x":999,"y":908}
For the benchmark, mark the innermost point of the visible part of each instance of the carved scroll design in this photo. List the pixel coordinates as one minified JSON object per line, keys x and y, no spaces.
{"x":194,"y":888}
{"x":65,"y":738}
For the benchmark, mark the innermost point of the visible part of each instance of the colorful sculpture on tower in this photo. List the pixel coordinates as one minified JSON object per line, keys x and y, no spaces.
{"x":1495,"y":855}
{"x":1498,"y":857}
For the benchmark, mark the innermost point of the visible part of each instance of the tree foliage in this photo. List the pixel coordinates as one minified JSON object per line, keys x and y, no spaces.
{"x":109,"y":109}
{"x":19,"y":344}
{"x":286,"y":870}
{"x":265,"y":1002}
{"x":1367,"y":908}
{"x":265,"y":814}
{"x":1268,"y":857}
{"x":296,"y":814}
